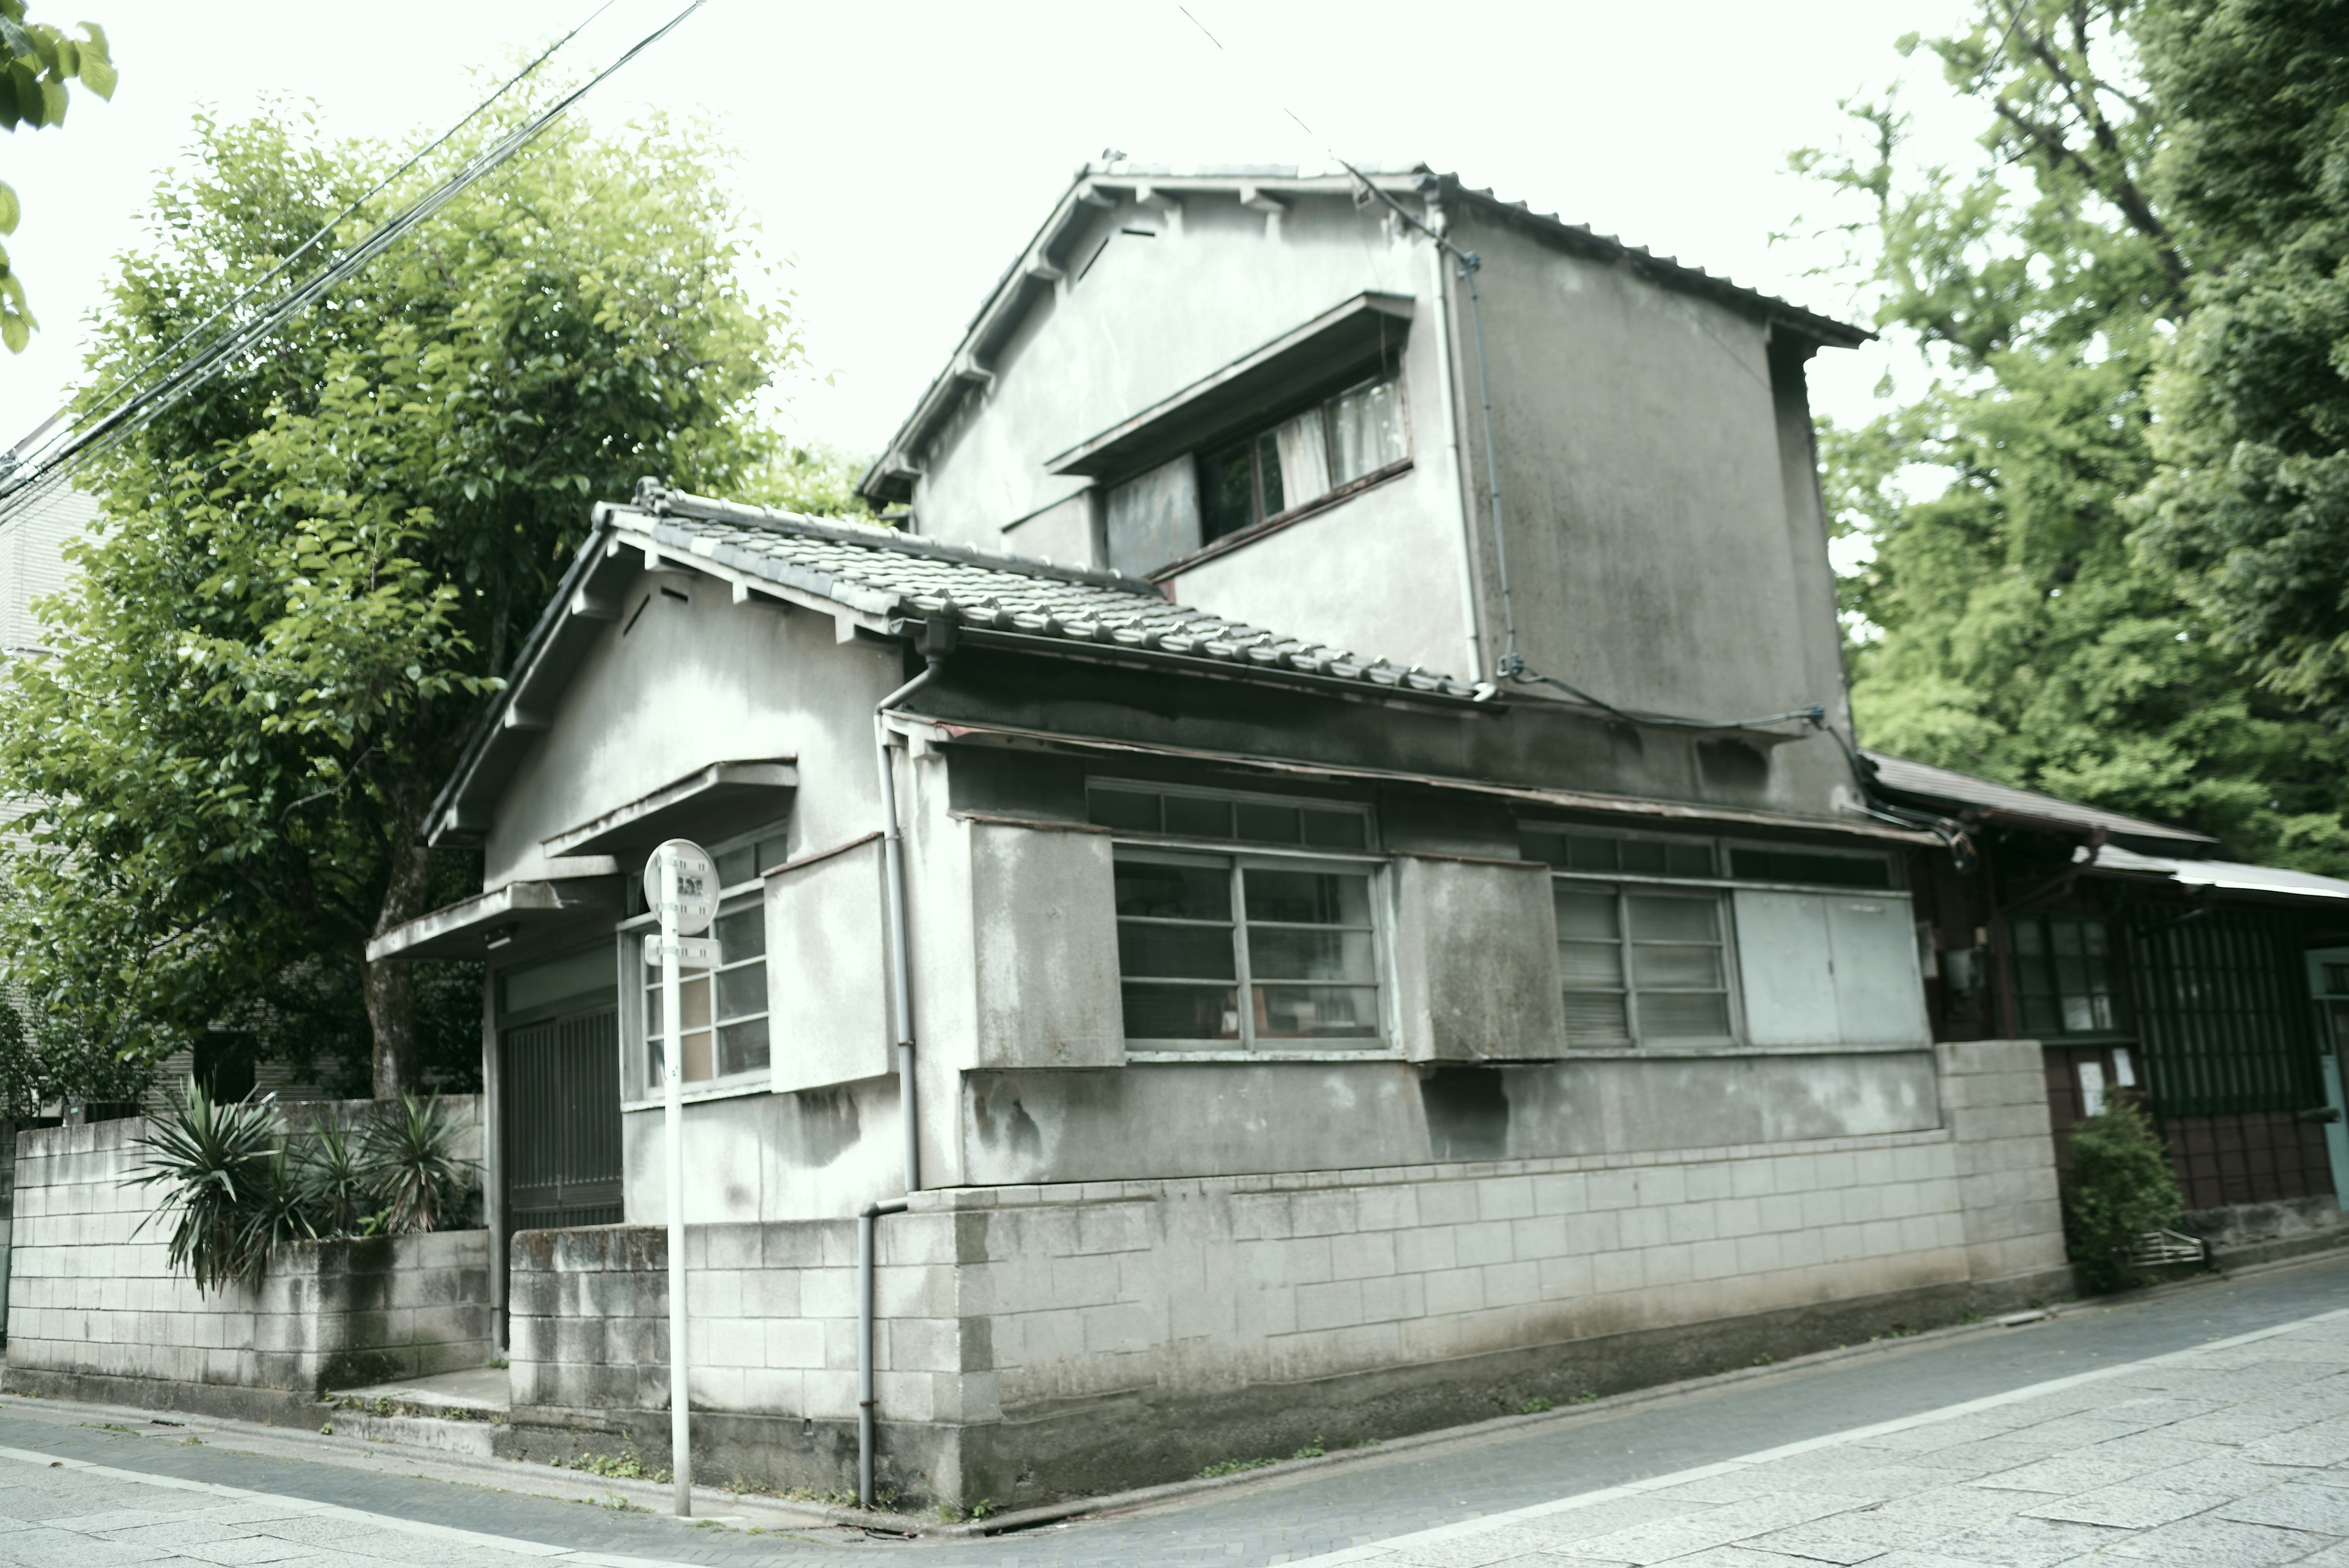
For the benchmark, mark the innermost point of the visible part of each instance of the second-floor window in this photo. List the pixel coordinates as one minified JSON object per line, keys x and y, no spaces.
{"x":1275,"y":470}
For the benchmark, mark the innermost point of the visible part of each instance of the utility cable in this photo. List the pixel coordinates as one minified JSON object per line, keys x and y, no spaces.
{"x":212,"y":357}
{"x":138,"y":373}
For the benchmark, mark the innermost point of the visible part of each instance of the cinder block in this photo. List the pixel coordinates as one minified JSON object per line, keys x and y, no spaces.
{"x":1336,"y":1304}
{"x":1364,"y":1254}
{"x":1454,"y":1291}
{"x":1448,"y":1203}
{"x":1486,"y":1241}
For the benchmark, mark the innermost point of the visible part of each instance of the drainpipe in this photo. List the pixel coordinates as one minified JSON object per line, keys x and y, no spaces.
{"x":865,"y":1400}
{"x":937,"y":641}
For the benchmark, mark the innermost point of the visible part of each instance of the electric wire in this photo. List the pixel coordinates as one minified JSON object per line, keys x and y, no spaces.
{"x":41,"y":470}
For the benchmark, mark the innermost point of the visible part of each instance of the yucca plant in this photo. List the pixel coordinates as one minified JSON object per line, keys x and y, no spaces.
{"x":334,"y":1170}
{"x":215,"y":1162}
{"x":279,"y":1209}
{"x":412,"y":1165}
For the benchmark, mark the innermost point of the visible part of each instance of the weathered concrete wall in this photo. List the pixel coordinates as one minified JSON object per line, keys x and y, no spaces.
{"x":697,"y":679}
{"x":1043,"y":1340}
{"x":97,"y":1308}
{"x":1653,"y":557}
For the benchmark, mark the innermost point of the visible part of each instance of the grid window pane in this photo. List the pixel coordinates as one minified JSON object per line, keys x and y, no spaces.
{"x":1592,"y":965}
{"x":1684,"y":1015}
{"x":732,"y":998}
{"x":1263,"y":824}
{"x":2065,"y":975}
{"x":1298,"y":962}
{"x":1593,"y":1016}
{"x":1308,"y":898}
{"x":1656,"y":918}
{"x":1201,"y":892}
{"x":1679,"y":967}
{"x":1181,"y":1013}
{"x":1588,"y":915}
{"x":1129,"y":809}
{"x":1365,"y":431}
{"x":743,"y":1047}
{"x":1639,"y":965}
{"x":1317,"y":1012}
{"x":1176,"y":953}
{"x":1281,"y":953}
{"x":1189,"y":817}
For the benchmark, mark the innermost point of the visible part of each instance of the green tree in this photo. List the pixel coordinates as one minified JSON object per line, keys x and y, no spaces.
{"x":2252,"y":503}
{"x":308,"y":577}
{"x":2011,"y":627}
{"x":40,"y":61}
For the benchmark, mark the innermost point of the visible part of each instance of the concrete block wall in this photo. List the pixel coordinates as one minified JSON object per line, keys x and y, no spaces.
{"x":94,"y":1299}
{"x":1097,"y":1334}
{"x":1994,"y":1097}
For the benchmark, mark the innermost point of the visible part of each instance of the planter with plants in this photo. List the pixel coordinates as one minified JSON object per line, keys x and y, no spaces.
{"x":238,"y":1185}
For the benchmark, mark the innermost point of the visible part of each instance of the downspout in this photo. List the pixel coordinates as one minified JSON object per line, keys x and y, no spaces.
{"x":937,"y":641}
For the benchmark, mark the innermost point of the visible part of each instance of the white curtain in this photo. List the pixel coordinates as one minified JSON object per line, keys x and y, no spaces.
{"x":1304,"y":459}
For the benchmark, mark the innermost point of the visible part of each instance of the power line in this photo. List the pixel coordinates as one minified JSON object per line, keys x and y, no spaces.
{"x":91,"y":435}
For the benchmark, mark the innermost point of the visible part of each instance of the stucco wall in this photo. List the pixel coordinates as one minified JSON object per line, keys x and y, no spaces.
{"x":695,"y":680}
{"x":93,"y":1295}
{"x":1035,"y":1340}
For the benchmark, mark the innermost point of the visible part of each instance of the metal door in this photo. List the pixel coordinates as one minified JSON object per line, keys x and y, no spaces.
{"x":562,"y":1093}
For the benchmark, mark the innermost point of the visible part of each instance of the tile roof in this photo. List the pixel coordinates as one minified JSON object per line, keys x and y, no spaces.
{"x":884,"y":571}
{"x":1906,"y":777}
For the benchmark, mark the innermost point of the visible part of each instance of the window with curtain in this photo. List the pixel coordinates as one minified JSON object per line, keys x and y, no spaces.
{"x":1356,"y":434}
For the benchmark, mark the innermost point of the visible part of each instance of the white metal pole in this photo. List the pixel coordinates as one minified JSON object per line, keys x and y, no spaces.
{"x":680,"y":1415}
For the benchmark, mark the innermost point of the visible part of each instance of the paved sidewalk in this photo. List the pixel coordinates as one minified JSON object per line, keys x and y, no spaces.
{"x":1893,"y":1458}
{"x":2237,"y":1453}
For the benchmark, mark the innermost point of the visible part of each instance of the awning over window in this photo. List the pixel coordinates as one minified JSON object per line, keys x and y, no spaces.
{"x":520,"y":919}
{"x":1354,"y":339}
{"x":711,"y":803}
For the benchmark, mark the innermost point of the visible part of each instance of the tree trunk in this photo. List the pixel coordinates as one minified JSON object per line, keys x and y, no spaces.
{"x":391,"y":987}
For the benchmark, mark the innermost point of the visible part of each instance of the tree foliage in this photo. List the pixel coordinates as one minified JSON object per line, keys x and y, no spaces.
{"x":308,"y":577}
{"x":40,"y":61}
{"x":2013,"y":626}
{"x":2253,"y":502}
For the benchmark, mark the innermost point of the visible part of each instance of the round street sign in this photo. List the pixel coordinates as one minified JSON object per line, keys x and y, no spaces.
{"x":696,"y":884}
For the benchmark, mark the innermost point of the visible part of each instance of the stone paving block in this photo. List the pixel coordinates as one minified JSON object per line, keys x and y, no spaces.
{"x":2020,"y":1540}
{"x":2127,"y":1507}
{"x":2295,"y":1505}
{"x":2319,"y":1446}
{"x":2215,"y":1543}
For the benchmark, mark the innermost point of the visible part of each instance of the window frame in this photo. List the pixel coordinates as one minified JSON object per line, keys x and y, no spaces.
{"x":1253,"y":437}
{"x":2124,"y":1027}
{"x":638,"y":1091}
{"x":1724,"y":887}
{"x":1627,"y":943}
{"x":1236,"y":856}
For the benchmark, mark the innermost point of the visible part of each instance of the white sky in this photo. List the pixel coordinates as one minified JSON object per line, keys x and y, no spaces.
{"x":901,"y":153}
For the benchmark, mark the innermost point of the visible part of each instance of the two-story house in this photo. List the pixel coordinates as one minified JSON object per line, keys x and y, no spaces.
{"x":1302,"y":1027}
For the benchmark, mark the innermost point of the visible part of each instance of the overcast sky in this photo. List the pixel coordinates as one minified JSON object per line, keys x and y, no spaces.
{"x":900,"y":154}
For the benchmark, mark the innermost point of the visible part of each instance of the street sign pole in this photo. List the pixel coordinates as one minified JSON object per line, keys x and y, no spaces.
{"x":683,"y":886}
{"x":680,"y":1415}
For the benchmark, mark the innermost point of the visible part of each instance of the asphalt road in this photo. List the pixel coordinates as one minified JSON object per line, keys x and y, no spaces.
{"x":226,"y":1501}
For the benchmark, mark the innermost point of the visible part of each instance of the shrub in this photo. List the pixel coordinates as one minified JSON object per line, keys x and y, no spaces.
{"x":334,"y":1170}
{"x":218,"y":1164}
{"x":412,"y":1166}
{"x":2120,"y":1187}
